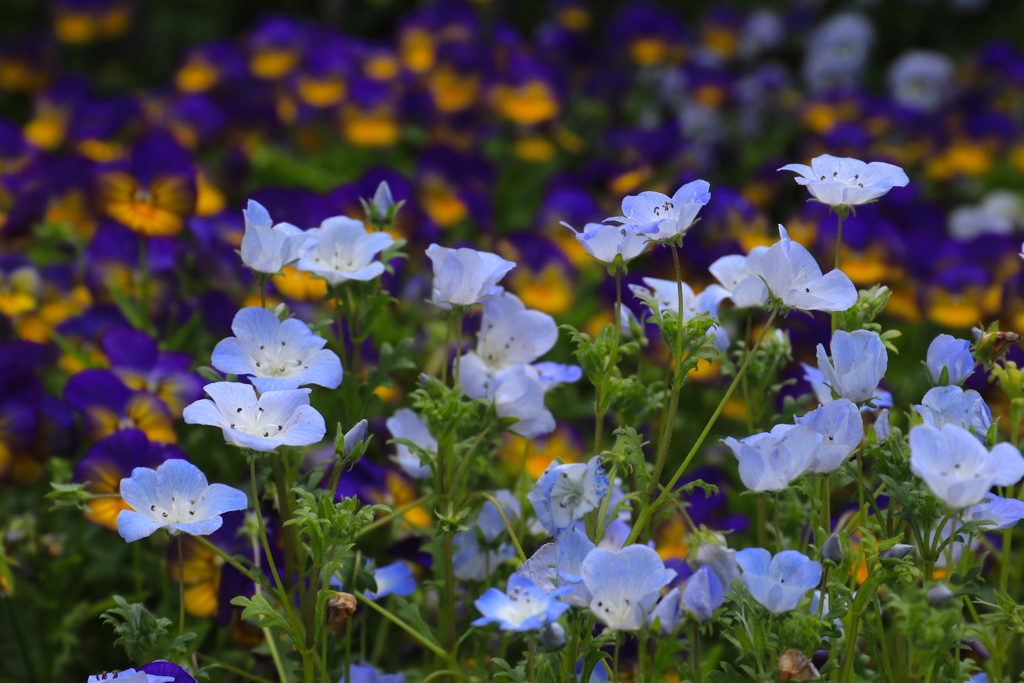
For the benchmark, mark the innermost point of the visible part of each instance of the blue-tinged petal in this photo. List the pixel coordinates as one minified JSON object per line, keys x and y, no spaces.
{"x":132,"y":526}
{"x":754,"y":561}
{"x":183,"y":477}
{"x":220,"y":498}
{"x":201,"y":528}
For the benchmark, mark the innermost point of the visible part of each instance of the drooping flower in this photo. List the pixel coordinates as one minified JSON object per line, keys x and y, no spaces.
{"x":392,"y":579}
{"x":771,"y":460}
{"x":858,"y":363}
{"x":662,"y":217}
{"x":952,"y":405}
{"x":463,"y":277}
{"x":341,"y":249}
{"x":522,"y":607}
{"x":267,"y":248}
{"x":701,"y":595}
{"x":275,"y":418}
{"x":564,"y":493}
{"x":741,"y":277}
{"x":720,"y":558}
{"x":952,"y":354}
{"x":517,"y":392}
{"x":957,"y":468}
{"x":841,"y":181}
{"x":624,"y":585}
{"x":996,"y":512}
{"x":779,"y":582}
{"x":793,"y":276}
{"x":406,"y":424}
{"x":177,"y":496}
{"x":666,"y":294}
{"x":276,"y":354}
{"x":475,"y":563}
{"x":607,"y":242}
{"x":841,"y":428}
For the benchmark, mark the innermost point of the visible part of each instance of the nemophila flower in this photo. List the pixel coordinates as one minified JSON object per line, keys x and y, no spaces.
{"x":522,"y":607}
{"x":701,"y":595}
{"x":564,"y":493}
{"x":540,"y":568}
{"x":109,"y":406}
{"x":406,"y":424}
{"x":882,"y":426}
{"x":741,"y":277}
{"x":841,"y":428}
{"x":551,"y":374}
{"x":837,"y":51}
{"x":110,"y":461}
{"x":957,"y":468}
{"x":135,"y":358}
{"x":663,"y":217}
{"x":276,"y":354}
{"x":624,"y":585}
{"x":953,"y":355}
{"x":177,"y":496}
{"x":997,"y":512}
{"x":341,"y":249}
{"x":840,"y":181}
{"x":779,"y":582}
{"x":771,"y":460}
{"x":607,"y":242}
{"x":718,"y":557}
{"x":275,"y":418}
{"x":473,"y":562}
{"x":793,"y":276}
{"x":267,"y":248}
{"x":518,"y":392}
{"x":858,"y":363}
{"x":463,"y":277}
{"x":952,"y":405}
{"x":364,"y":673}
{"x":921,"y":80}
{"x":823,"y":392}
{"x":572,"y":547}
{"x":392,"y":579}
{"x":666,"y":294}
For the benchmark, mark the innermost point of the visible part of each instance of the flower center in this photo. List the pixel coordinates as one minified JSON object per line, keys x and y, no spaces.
{"x":277,"y":360}
{"x":255,"y":424}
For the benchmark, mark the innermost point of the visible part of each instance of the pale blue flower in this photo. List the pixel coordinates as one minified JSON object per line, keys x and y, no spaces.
{"x":769,"y":461}
{"x":177,"y":496}
{"x":841,"y":428}
{"x":275,"y":418}
{"x":463,"y":277}
{"x":624,"y":585}
{"x":882,"y":426}
{"x":951,"y":353}
{"x":666,"y":294}
{"x":719,"y":558}
{"x":564,"y":493}
{"x":841,"y":181}
{"x":607,"y":242}
{"x":276,"y":354}
{"x":668,"y":612}
{"x":957,"y":468}
{"x":341,"y":249}
{"x":540,"y":568}
{"x":779,"y":582}
{"x":518,"y":392}
{"x":522,"y":607}
{"x":552,"y":374}
{"x":921,"y":80}
{"x":354,"y":436}
{"x":598,"y":675}
{"x":741,"y":277}
{"x":393,"y":579}
{"x":364,"y":673}
{"x":837,"y":51}
{"x":383,"y":199}
{"x":473,"y":562}
{"x":406,"y":424}
{"x":997,"y":512}
{"x":662,"y":217}
{"x":267,"y":248}
{"x":573,"y":547}
{"x":702,"y":594}
{"x":858,"y":363}
{"x":979,"y":678}
{"x":793,"y":276}
{"x":952,"y":405}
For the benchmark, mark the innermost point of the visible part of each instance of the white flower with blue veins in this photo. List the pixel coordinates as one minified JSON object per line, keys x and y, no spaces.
{"x":741,"y":277}
{"x":624,"y":585}
{"x":663,"y":217}
{"x":341,"y":249}
{"x":606,"y":242}
{"x":522,"y":607}
{"x":769,"y":461}
{"x":175,"y":496}
{"x":275,"y":418}
{"x":665,"y":293}
{"x":858,"y":363}
{"x":564,"y":493}
{"x":841,"y":181}
{"x":952,"y":405}
{"x":779,"y":582}
{"x":464,"y":277}
{"x":267,"y":248}
{"x":406,"y":424}
{"x":841,"y":428}
{"x":793,"y":276}
{"x":276,"y":354}
{"x":957,"y":468}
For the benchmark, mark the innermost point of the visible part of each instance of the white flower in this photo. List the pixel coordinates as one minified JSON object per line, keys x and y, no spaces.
{"x":267,"y":248}
{"x":741,"y":277}
{"x":841,"y":181}
{"x":341,"y":249}
{"x":463,"y":277}
{"x":794,"y":277}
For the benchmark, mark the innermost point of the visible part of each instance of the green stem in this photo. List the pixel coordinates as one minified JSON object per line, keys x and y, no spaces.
{"x":387,"y":519}
{"x":257,"y":587}
{"x":696,"y":653}
{"x":778,"y":531}
{"x":447,"y":348}
{"x":600,"y":404}
{"x":425,"y":642}
{"x":762,"y":521}
{"x":615,"y":656}
{"x":647,"y":508}
{"x":233,"y":669}
{"x":497,"y":505}
{"x":458,"y":346}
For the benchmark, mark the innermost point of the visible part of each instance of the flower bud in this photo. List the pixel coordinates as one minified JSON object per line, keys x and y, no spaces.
{"x":340,"y":609}
{"x":897,"y":552}
{"x":795,"y":666}
{"x":940,"y":595}
{"x":552,"y":637}
{"x":832,"y":550}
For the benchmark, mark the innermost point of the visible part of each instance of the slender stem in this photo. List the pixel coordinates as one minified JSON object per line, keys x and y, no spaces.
{"x":233,"y":670}
{"x":407,"y":628}
{"x":748,"y":409}
{"x":615,"y":656}
{"x":387,"y":519}
{"x":599,"y":398}
{"x":778,"y":531}
{"x":268,"y":636}
{"x":497,"y":505}
{"x":646,"y":508}
{"x":338,"y":320}
{"x":181,"y":587}
{"x":458,"y":346}
{"x":762,"y":521}
{"x":447,"y":347}
{"x":230,"y":560}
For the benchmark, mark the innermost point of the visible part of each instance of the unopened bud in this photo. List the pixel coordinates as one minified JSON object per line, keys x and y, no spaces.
{"x":795,"y":666}
{"x":897,"y":552}
{"x":552,"y":637}
{"x":832,"y":550}
{"x":940,"y":595}
{"x":340,"y":609}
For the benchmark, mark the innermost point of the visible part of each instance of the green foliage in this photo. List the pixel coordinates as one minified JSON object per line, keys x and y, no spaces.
{"x":69,"y":496}
{"x":861,"y":316}
{"x":266,"y":616}
{"x":142,"y":635}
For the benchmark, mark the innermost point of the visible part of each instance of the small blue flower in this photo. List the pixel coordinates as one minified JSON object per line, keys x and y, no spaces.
{"x":770,"y":460}
{"x":841,"y":181}
{"x":957,"y":468}
{"x":275,"y":418}
{"x":607,"y":242}
{"x":882,"y":426}
{"x":564,"y":493}
{"x":666,"y":294}
{"x":921,"y":80}
{"x":406,"y":424}
{"x":741,"y":276}
{"x":364,"y":673}
{"x":841,"y":428}
{"x":858,"y":363}
{"x":793,"y":276}
{"x":277,"y":355}
{"x":573,"y":547}
{"x":998,"y":512}
{"x":383,"y":199}
{"x":552,"y":374}
{"x":267,"y":248}
{"x":341,"y":249}
{"x":718,"y":557}
{"x":702,"y":594}
{"x":464,"y":277}
{"x":177,"y":496}
{"x":471,"y":562}
{"x":518,"y":392}
{"x":668,"y":612}
{"x":624,"y":585}
{"x":663,"y":217}
{"x":522,"y":607}
{"x":952,"y":405}
{"x":951,"y":353}
{"x":393,"y":579}
{"x":779,"y":582}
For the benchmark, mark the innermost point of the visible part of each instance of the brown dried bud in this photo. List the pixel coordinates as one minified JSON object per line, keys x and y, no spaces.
{"x":794,"y":666}
{"x":340,"y":609}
